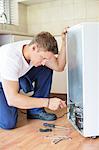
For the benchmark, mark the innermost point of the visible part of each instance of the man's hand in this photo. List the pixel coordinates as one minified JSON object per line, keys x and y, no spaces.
{"x":63,"y":34}
{"x":55,"y":103}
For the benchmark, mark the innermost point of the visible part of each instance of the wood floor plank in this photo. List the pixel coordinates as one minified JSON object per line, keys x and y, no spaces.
{"x":27,"y":136}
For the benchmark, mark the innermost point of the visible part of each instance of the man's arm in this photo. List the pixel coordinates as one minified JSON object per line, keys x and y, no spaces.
{"x":16,"y":99}
{"x":58,"y":63}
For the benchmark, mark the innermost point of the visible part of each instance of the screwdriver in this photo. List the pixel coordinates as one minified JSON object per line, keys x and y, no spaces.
{"x":53,"y":126}
{"x":45,"y":130}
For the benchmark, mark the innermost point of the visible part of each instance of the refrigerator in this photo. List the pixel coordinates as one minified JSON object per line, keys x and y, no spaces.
{"x":83,"y":78}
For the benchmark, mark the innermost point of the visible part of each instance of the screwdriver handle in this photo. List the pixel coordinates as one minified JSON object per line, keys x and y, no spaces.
{"x":49,"y":125}
{"x":45,"y":130}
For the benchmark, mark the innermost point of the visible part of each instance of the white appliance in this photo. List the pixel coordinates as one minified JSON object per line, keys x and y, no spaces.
{"x":83,"y":78}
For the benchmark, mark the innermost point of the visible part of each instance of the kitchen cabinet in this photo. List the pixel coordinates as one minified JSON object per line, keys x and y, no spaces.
{"x":8,"y":38}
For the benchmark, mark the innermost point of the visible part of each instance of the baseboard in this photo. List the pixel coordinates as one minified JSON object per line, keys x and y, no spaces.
{"x":59,"y":95}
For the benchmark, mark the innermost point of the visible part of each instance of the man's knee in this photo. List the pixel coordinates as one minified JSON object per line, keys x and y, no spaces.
{"x":8,"y":124}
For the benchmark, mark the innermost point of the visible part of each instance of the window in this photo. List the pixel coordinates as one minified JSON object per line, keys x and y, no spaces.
{"x":9,"y":12}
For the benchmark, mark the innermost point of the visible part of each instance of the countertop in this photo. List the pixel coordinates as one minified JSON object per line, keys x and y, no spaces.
{"x":14,"y":33}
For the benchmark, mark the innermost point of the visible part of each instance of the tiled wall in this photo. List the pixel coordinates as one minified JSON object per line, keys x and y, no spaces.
{"x":55,"y":15}
{"x":22,"y":27}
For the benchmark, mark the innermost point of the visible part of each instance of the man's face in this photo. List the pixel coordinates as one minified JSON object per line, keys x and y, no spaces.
{"x":39,"y":56}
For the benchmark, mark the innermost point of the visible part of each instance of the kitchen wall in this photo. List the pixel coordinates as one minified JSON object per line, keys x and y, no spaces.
{"x":53,"y":16}
{"x":22,"y":27}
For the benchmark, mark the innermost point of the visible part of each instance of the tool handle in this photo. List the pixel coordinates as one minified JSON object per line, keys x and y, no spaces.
{"x":49,"y":125}
{"x":45,"y":130}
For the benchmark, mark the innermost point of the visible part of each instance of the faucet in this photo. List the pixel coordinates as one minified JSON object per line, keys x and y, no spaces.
{"x":5,"y":16}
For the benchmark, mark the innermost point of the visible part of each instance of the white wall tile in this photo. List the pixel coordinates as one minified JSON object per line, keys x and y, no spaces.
{"x":79,"y":10}
{"x":67,"y":12}
{"x":70,"y":11}
{"x":92,"y":9}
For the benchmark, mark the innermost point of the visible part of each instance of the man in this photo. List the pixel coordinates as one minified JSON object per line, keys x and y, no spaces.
{"x":28,"y":66}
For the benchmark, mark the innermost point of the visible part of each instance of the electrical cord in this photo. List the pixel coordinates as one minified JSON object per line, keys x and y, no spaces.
{"x":22,"y":112}
{"x":62,"y":115}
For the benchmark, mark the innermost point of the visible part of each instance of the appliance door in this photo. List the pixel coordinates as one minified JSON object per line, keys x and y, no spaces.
{"x":75,"y":90}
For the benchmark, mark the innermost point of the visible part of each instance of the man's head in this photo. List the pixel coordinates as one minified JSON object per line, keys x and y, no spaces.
{"x":42,"y":47}
{"x":46,"y":41}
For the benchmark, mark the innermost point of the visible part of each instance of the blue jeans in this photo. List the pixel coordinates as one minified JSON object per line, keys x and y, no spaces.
{"x":42,"y":76}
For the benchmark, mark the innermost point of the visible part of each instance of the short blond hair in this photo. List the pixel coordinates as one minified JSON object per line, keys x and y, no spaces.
{"x":47,"y":41}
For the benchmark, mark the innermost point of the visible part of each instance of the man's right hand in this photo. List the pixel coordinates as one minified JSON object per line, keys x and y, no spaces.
{"x":55,"y":103}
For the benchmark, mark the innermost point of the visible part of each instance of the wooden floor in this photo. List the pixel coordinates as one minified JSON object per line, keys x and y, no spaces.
{"x":27,"y":136}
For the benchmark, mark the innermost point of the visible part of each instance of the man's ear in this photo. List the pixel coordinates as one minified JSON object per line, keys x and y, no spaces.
{"x":34,"y":47}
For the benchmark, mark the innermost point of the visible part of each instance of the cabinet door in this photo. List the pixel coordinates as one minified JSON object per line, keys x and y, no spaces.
{"x":59,"y":82}
{"x":5,"y":39}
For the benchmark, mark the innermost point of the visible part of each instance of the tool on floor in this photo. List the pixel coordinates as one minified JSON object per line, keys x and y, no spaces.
{"x":57,"y":139}
{"x":45,"y":130}
{"x":54,"y":126}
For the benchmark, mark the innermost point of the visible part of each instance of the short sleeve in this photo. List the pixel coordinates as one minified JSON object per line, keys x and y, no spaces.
{"x":10,"y":69}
